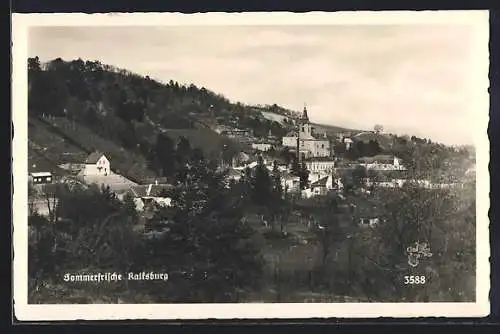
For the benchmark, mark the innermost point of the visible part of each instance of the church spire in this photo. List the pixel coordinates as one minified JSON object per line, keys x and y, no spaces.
{"x":304,"y":117}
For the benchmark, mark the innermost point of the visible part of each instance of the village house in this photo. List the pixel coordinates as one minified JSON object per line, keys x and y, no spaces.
{"x":264,"y":147}
{"x":96,"y":164}
{"x":234,"y":174}
{"x":306,"y":142}
{"x":147,"y":195}
{"x":330,"y":180}
{"x":41,"y":177}
{"x":236,"y":133}
{"x":369,"y":222}
{"x":317,"y":188}
{"x":320,"y":165}
{"x":381,"y":162}
{"x":290,"y":183}
{"x":347,"y":142}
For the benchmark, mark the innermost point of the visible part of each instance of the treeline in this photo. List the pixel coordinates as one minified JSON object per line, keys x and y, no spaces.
{"x":427,"y":159}
{"x":120,"y":105}
{"x":114,"y":103}
{"x":358,"y":149}
{"x":59,"y":88}
{"x":262,"y":127}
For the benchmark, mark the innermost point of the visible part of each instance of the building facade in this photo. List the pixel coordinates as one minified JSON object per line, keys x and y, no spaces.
{"x":320,"y":165}
{"x":382,"y":162}
{"x":96,"y":164}
{"x":264,"y":147}
{"x":306,"y":142}
{"x":41,"y":177}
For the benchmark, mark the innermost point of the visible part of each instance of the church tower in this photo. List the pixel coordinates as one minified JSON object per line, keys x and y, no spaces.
{"x":303,"y":132}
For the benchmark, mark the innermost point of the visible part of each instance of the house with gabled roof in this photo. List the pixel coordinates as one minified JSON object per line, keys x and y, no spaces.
{"x":96,"y":164}
{"x":320,"y":187}
{"x":145,"y":195}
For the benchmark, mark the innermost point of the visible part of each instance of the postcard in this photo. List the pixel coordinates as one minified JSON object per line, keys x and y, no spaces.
{"x":250,"y":165}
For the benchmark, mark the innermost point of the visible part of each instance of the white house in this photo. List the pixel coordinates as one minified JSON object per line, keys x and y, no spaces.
{"x":96,"y":164}
{"x":382,"y":162}
{"x":369,"y":222}
{"x":290,"y":182}
{"x":41,"y":177}
{"x":264,"y":147}
{"x":319,"y":187}
{"x":145,"y":195}
{"x":327,"y":179}
{"x":348,"y":143}
{"x":320,"y":165}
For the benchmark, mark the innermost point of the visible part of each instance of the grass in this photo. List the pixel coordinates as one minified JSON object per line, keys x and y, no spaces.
{"x":82,"y":141}
{"x":47,"y":149}
{"x":332,"y":129}
{"x":38,"y":162}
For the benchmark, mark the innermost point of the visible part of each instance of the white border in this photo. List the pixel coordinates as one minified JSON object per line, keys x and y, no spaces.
{"x":478,"y":20}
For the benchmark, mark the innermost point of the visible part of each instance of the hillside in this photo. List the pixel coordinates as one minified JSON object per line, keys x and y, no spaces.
{"x":384,"y":140}
{"x":287,"y":117}
{"x":77,"y":107}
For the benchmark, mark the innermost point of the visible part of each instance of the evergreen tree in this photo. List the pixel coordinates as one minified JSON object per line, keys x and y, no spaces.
{"x":165,"y":154}
{"x":183,"y":151}
{"x":304,"y":176}
{"x":211,"y":257}
{"x":261,"y":184}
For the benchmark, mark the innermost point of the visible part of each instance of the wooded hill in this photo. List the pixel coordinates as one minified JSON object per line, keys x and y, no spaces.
{"x":76,"y":107}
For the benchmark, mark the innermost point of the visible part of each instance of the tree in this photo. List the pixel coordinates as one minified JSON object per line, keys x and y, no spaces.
{"x":300,"y":170}
{"x":183,"y":151}
{"x":373,"y":148}
{"x":287,"y":155}
{"x":261,"y":184}
{"x":359,"y":175}
{"x":378,"y":128}
{"x":211,"y":257}
{"x":165,"y":154}
{"x":278,"y":206}
{"x":95,"y":231}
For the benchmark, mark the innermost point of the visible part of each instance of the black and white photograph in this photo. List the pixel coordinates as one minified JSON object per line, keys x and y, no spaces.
{"x":259,"y":165}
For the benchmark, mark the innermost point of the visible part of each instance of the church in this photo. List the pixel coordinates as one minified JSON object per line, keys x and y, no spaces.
{"x":306,"y":141}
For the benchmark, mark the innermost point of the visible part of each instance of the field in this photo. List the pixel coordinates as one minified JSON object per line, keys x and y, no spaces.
{"x":64,"y":141}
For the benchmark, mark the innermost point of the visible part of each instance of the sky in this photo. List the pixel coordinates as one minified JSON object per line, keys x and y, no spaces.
{"x":412,"y":79}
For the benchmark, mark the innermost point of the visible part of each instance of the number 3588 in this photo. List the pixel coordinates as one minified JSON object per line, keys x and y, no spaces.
{"x":414,"y":280}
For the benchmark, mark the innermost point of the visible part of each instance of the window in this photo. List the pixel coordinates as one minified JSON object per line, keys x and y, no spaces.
{"x":322,"y":145}
{"x":303,"y":129}
{"x":49,"y":179}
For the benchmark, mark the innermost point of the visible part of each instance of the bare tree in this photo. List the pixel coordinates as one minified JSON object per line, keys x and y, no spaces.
{"x":32,"y":195}
{"x":378,"y":128}
{"x":51,"y":199}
